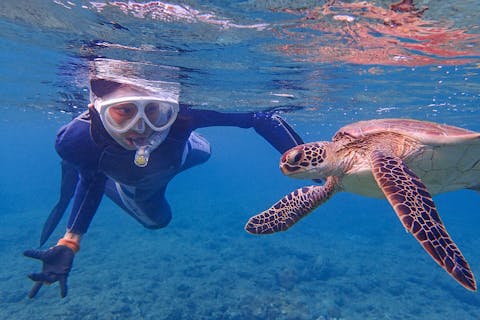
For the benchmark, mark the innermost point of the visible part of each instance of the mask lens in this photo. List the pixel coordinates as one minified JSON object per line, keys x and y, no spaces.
{"x":159,"y":114}
{"x":120,"y":115}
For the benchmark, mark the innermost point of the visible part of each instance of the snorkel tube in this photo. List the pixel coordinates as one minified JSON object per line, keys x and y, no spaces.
{"x":142,"y":155}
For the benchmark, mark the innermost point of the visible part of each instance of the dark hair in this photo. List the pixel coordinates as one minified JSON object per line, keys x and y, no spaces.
{"x":102,"y":87}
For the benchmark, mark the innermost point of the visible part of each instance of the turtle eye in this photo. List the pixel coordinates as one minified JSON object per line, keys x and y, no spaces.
{"x":294,"y":157}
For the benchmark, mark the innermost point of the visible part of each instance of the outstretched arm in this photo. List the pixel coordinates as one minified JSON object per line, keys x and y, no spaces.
{"x":74,"y":144}
{"x":82,"y":180}
{"x":269,"y":125}
{"x":88,"y":194}
{"x":57,"y":260}
{"x":67,"y":189}
{"x":276,"y":131}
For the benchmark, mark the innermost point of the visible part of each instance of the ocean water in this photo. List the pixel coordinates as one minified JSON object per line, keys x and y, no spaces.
{"x":323,"y":65}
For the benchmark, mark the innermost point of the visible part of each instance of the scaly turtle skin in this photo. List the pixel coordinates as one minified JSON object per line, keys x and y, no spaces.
{"x":405,"y":161}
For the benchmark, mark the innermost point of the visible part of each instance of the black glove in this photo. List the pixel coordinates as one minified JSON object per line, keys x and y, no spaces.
{"x":275,"y":130}
{"x":57,"y":263}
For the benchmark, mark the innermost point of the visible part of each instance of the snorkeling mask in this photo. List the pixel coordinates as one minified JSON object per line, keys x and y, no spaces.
{"x":120,"y":115}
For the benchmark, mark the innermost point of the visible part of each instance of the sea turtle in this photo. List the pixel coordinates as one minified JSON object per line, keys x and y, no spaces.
{"x":404,"y":160}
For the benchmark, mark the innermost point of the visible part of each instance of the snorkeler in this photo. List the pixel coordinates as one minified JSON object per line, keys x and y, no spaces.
{"x":133,"y":140}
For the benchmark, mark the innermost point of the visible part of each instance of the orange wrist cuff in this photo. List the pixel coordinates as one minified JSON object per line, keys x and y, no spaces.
{"x":72,"y":244}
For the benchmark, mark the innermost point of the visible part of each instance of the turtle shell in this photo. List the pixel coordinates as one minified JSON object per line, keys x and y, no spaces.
{"x":426,"y":132}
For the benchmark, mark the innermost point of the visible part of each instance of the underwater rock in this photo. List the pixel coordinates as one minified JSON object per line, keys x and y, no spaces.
{"x":396,"y":289}
{"x":287,"y":278}
{"x":184,"y":291}
{"x":324,"y":269}
{"x":334,"y":313}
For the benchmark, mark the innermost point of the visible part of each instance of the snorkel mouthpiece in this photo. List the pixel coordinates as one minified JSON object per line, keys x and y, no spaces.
{"x":142,"y":155}
{"x":144,"y":150}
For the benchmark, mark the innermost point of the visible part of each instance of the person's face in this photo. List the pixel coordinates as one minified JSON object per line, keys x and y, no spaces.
{"x":122,"y":113}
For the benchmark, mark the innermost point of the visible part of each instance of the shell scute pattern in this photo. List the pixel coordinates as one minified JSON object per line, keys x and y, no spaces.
{"x":344,"y":136}
{"x":421,"y":130}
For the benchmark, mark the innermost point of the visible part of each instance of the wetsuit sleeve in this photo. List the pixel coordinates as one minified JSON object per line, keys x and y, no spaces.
{"x":88,"y":194}
{"x":75,"y":146}
{"x":67,"y":190}
{"x":276,"y":131}
{"x":269,"y":125}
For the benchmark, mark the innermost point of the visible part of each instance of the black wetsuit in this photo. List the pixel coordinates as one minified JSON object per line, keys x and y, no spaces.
{"x":94,"y":164}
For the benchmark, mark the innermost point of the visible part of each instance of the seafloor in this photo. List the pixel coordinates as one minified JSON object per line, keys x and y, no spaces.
{"x":351,"y":259}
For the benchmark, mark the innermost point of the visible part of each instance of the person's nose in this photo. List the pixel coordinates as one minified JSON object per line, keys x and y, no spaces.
{"x":139,"y":126}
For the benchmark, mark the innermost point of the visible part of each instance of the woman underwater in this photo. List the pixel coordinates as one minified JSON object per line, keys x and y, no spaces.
{"x":133,"y":140}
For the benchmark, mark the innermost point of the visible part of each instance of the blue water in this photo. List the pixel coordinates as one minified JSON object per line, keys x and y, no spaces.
{"x":350,"y":259}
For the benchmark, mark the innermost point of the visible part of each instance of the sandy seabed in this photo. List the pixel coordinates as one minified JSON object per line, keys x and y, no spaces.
{"x":200,"y":268}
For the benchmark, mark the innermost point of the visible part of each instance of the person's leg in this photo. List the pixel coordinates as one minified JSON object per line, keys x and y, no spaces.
{"x":152,"y":213}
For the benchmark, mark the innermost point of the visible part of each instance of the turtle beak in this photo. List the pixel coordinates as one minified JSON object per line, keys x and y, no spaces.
{"x":288,"y":169}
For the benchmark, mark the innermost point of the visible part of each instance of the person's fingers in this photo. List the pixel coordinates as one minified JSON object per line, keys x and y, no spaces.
{"x":35,"y":289}
{"x":35,"y":254}
{"x":63,"y":286}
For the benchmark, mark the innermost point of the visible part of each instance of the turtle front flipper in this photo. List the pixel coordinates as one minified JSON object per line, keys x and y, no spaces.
{"x":291,"y":208}
{"x":414,"y":207}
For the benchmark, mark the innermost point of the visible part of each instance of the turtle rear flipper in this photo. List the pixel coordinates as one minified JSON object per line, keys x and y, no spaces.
{"x":291,"y":208}
{"x":416,"y":210}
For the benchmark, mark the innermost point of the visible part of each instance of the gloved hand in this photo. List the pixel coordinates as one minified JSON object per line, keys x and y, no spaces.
{"x":275,"y":130}
{"x":57,"y":263}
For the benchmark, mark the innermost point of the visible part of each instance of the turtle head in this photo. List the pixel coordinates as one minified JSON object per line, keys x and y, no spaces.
{"x":309,"y":161}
